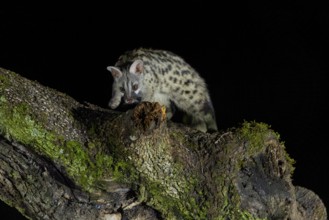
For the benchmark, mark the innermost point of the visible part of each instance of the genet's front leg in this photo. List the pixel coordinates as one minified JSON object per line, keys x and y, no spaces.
{"x":115,"y":100}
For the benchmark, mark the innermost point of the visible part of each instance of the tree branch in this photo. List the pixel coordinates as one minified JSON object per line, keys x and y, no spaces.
{"x":61,"y":159}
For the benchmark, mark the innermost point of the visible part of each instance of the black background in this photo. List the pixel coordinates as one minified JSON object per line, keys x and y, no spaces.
{"x":266,"y":62}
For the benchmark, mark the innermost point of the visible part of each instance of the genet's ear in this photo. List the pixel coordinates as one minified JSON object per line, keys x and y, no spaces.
{"x":116,"y":73}
{"x":137,"y":67}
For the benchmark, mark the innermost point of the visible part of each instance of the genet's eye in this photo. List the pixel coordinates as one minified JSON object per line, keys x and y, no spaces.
{"x":122,"y":89}
{"x":135,"y":87}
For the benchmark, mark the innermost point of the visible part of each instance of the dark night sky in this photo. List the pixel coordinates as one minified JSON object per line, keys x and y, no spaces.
{"x":262,"y":62}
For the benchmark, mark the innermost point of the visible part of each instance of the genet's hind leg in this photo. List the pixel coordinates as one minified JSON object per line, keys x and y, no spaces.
{"x":194,"y":123}
{"x":209,"y":117}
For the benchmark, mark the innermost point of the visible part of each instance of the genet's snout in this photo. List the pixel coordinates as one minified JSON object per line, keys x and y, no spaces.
{"x":129,"y":100}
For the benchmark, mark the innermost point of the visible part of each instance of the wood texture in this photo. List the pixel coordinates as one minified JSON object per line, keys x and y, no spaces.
{"x":60,"y":159}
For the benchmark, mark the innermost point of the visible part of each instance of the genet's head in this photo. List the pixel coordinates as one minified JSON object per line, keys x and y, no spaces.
{"x":128,"y":81}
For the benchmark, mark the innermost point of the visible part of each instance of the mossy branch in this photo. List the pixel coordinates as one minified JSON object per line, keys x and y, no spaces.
{"x":60,"y":159}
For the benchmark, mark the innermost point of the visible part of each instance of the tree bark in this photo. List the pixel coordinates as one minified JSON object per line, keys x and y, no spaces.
{"x":60,"y":159}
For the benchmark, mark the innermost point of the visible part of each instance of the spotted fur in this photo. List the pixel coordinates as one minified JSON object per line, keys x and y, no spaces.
{"x":161,"y":76}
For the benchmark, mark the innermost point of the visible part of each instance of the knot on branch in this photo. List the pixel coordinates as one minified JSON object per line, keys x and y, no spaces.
{"x":148,"y":115}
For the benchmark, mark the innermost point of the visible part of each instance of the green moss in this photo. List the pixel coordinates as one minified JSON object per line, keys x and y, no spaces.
{"x":182,"y":201}
{"x":174,"y":194}
{"x":124,"y":172}
{"x":239,"y":215}
{"x":291,"y":162}
{"x":183,"y":207}
{"x":155,"y":195}
{"x":103,"y":164}
{"x":3,"y":99}
{"x":256,"y":133}
{"x":4,"y":82}
{"x":247,"y":216}
{"x":17,"y":123}
{"x":231,"y":209}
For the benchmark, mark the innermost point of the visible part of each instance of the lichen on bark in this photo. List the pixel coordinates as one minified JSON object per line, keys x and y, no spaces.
{"x":135,"y":163}
{"x":30,"y":121}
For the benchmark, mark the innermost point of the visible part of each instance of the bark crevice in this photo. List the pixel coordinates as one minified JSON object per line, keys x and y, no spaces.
{"x":60,"y":159}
